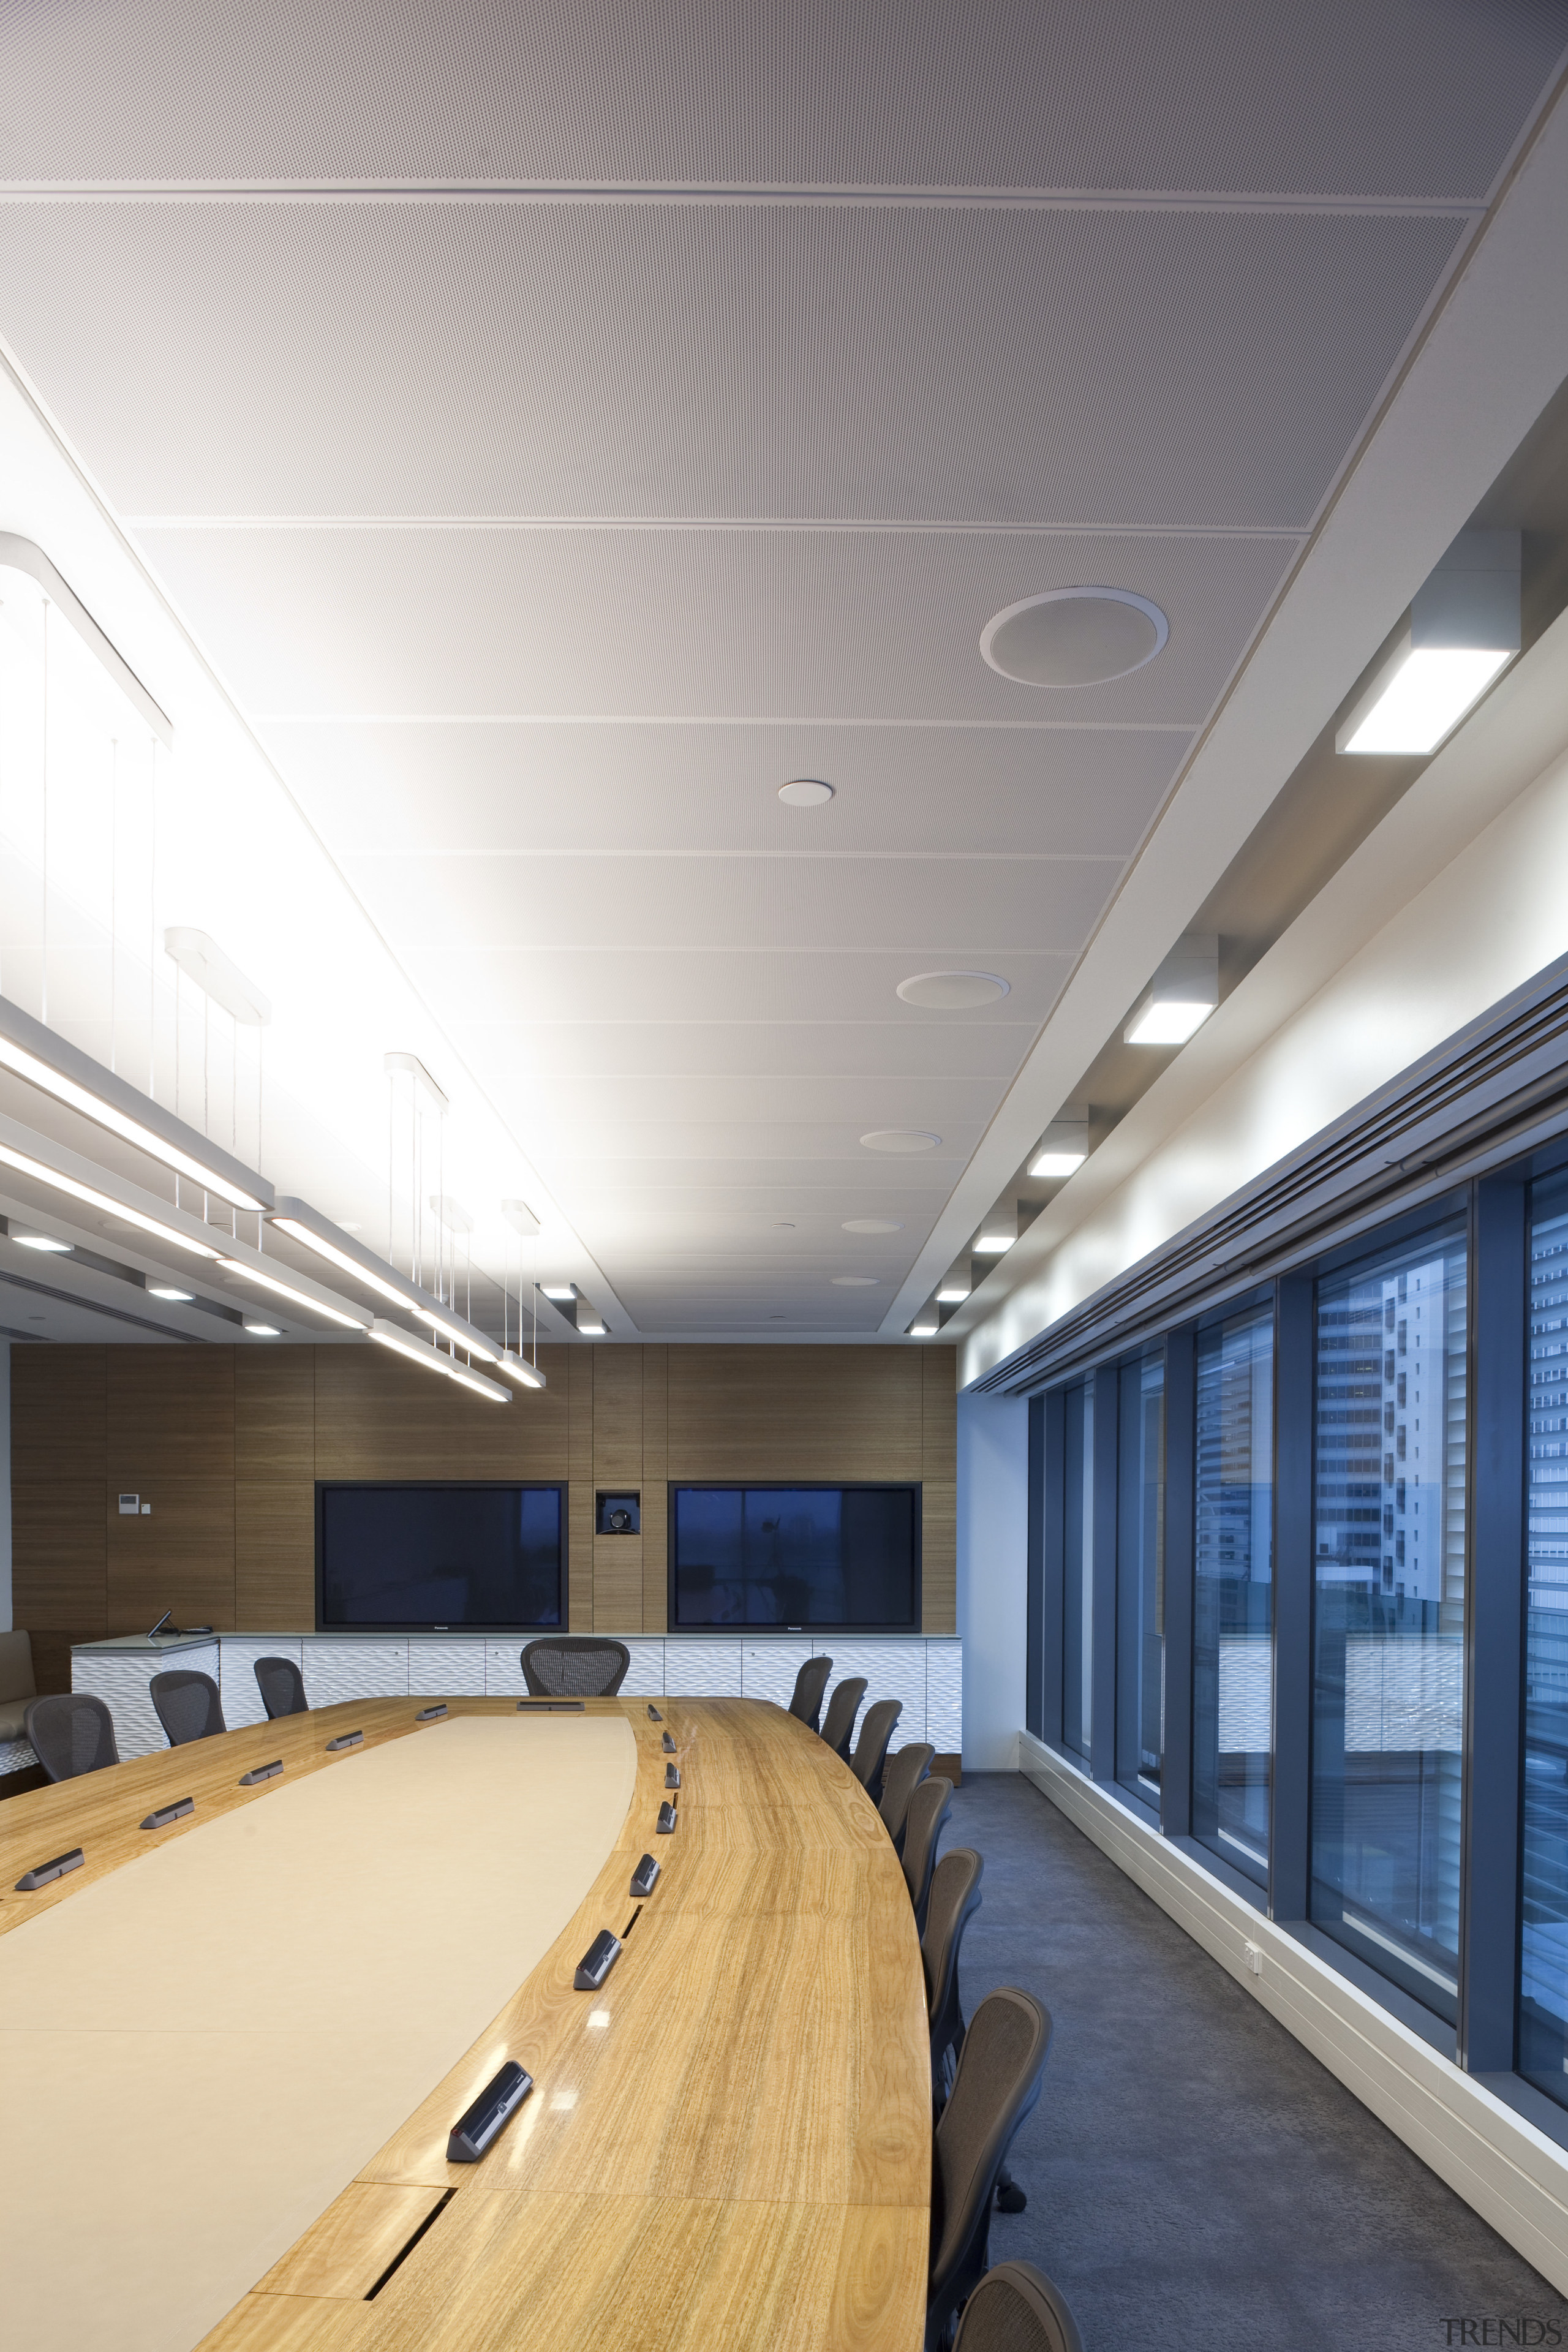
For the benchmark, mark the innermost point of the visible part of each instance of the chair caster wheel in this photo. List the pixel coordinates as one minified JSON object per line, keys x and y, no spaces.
{"x":1011,"y":2199}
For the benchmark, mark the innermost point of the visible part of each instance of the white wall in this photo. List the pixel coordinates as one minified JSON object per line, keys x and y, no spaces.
{"x":993,"y":1565}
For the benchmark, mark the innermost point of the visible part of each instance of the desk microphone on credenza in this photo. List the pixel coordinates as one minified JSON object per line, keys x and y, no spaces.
{"x":176,"y":1632}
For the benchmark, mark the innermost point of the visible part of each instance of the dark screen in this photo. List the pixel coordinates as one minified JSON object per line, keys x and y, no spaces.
{"x":414,"y":1555}
{"x":807,"y":1556}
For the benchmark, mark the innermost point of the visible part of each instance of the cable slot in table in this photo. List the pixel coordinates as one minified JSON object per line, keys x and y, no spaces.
{"x":402,"y":2254}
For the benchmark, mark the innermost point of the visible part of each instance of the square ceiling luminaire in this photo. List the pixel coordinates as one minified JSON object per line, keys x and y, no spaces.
{"x":1065,"y":1143}
{"x":956,"y":1283}
{"x":1182,"y":995}
{"x":998,"y":1230}
{"x":1464,"y":631}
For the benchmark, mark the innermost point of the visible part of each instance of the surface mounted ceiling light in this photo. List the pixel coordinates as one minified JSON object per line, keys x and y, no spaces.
{"x":42,"y":1241}
{"x":590,"y":1322}
{"x":1463,"y":629}
{"x":527,"y":1375}
{"x":177,"y":1298}
{"x":952,"y":992}
{"x":926,"y":1328}
{"x":805,"y":791}
{"x":262,"y":1330}
{"x":1064,"y":1144}
{"x":1181,"y":996}
{"x":565,"y":1292}
{"x":301,"y":1299}
{"x":951,"y":1296}
{"x":900,"y":1139}
{"x":956,"y":1283}
{"x":41,"y":1173}
{"x":1075,"y":637}
{"x":872,"y":1225}
{"x":999,"y":1230}
{"x":46,"y":1061}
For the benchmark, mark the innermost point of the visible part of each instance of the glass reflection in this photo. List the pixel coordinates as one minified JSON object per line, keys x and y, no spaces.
{"x":1543,"y":1938}
{"x":1077,"y":1571}
{"x":1233,"y":1629}
{"x":1141,"y":1576}
{"x":1389,"y":1545}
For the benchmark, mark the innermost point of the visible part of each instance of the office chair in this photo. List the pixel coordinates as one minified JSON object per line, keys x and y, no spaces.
{"x":809,"y":1685}
{"x":929,"y":1809}
{"x":187,"y":1703}
{"x":953,"y":1900}
{"x":901,"y":1778}
{"x":1017,"y":2309}
{"x":17,"y":1686}
{"x":70,"y":1734}
{"x":995,"y":2087}
{"x":871,"y":1748}
{"x":842,"y":1709}
{"x":282,"y":1688}
{"x":576,"y":1665}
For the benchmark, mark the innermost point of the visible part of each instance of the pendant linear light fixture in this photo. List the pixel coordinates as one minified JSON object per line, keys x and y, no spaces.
{"x":1464,"y":630}
{"x":50,"y":1163}
{"x":46,"y":1061}
{"x":523,"y":1222}
{"x":1064,"y":1146}
{"x":323,"y":1239}
{"x":418,"y":1351}
{"x":310,"y":1301}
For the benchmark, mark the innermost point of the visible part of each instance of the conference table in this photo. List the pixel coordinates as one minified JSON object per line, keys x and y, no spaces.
{"x":232,"y":2047}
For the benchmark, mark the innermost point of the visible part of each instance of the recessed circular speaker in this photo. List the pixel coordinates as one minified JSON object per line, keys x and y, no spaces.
{"x":901,"y":1139}
{"x":854,"y":1282}
{"x":1075,"y":637}
{"x":952,"y":992}
{"x":805,"y":791}
{"x":873,"y":1225}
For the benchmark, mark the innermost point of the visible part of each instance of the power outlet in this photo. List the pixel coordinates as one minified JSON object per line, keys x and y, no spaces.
{"x":1253,"y":1955}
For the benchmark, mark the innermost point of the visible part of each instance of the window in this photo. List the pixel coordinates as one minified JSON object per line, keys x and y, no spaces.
{"x":1388,"y":1661}
{"x":1077,"y":1570}
{"x":1543,"y":1894}
{"x":1233,"y":1621}
{"x":815,"y":1556}
{"x":1141,"y":1576}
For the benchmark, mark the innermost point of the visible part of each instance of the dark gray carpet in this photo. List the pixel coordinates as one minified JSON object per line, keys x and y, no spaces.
{"x":1196,"y":2178}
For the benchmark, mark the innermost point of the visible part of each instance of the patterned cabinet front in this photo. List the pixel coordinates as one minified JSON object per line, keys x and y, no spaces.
{"x":702,"y":1669}
{"x":122,"y":1681}
{"x":944,"y":1696}
{"x":645,"y":1675}
{"x":503,"y":1668}
{"x":768,"y":1669}
{"x":335,"y":1671}
{"x":240,"y":1690}
{"x":892,"y":1670}
{"x":446,"y":1669}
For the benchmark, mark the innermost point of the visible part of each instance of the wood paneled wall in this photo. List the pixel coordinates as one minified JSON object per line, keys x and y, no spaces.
{"x":226,"y":1445}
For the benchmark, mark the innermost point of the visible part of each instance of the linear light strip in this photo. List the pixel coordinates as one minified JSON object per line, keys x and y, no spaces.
{"x":43,"y":1174}
{"x":77,"y":1098}
{"x":528,"y":1376}
{"x":403,"y":1343}
{"x":340,"y":1259}
{"x":453,"y":1327}
{"x":301,"y":1299}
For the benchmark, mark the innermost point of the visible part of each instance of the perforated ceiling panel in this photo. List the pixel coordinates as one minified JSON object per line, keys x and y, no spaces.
{"x":562,"y":424}
{"x":1416,"y":98}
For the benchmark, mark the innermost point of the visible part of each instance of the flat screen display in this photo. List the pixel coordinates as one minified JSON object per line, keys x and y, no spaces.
{"x":415,"y":1558}
{"x":813,"y":1557}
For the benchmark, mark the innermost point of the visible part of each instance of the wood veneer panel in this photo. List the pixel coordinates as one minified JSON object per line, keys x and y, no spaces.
{"x":617,"y":1416}
{"x":579,"y":1500}
{"x":939,"y":1502}
{"x":377,"y":1417}
{"x":182,"y":1558}
{"x":274,"y":1487}
{"x":171,"y":1416}
{"x":794,"y":1413}
{"x":345,"y":2252}
{"x":655,"y":1490}
{"x":617,"y":1584}
{"x":59,"y":1457}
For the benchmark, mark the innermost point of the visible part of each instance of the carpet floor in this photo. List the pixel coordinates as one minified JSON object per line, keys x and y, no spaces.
{"x":1195,"y":2177}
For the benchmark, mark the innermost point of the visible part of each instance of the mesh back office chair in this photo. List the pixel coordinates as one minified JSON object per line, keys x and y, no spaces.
{"x":901,"y":1776}
{"x":809,"y":1685}
{"x":953,"y":1903}
{"x":842,"y":1709}
{"x":580,"y":1665}
{"x":187,"y":1704}
{"x":282,"y":1688}
{"x":997,"y":2085}
{"x":871,"y":1748}
{"x":70,"y":1734}
{"x":929,"y":1809}
{"x":17,"y":1686}
{"x":1017,"y":2309}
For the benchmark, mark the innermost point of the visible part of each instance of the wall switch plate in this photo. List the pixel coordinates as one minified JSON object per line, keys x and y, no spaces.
{"x":146,"y":1510}
{"x":1253,"y":1954}
{"x":130,"y":1505}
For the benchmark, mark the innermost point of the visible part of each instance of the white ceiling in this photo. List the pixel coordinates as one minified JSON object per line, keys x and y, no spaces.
{"x":561,"y":426}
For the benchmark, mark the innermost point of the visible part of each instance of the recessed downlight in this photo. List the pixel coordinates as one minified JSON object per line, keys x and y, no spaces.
{"x":49,"y":1242}
{"x":854,"y":1282}
{"x":1075,"y":637}
{"x":900,"y":1139}
{"x":872,"y":1225}
{"x":952,"y":992}
{"x":805,"y":791}
{"x":262,"y":1330}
